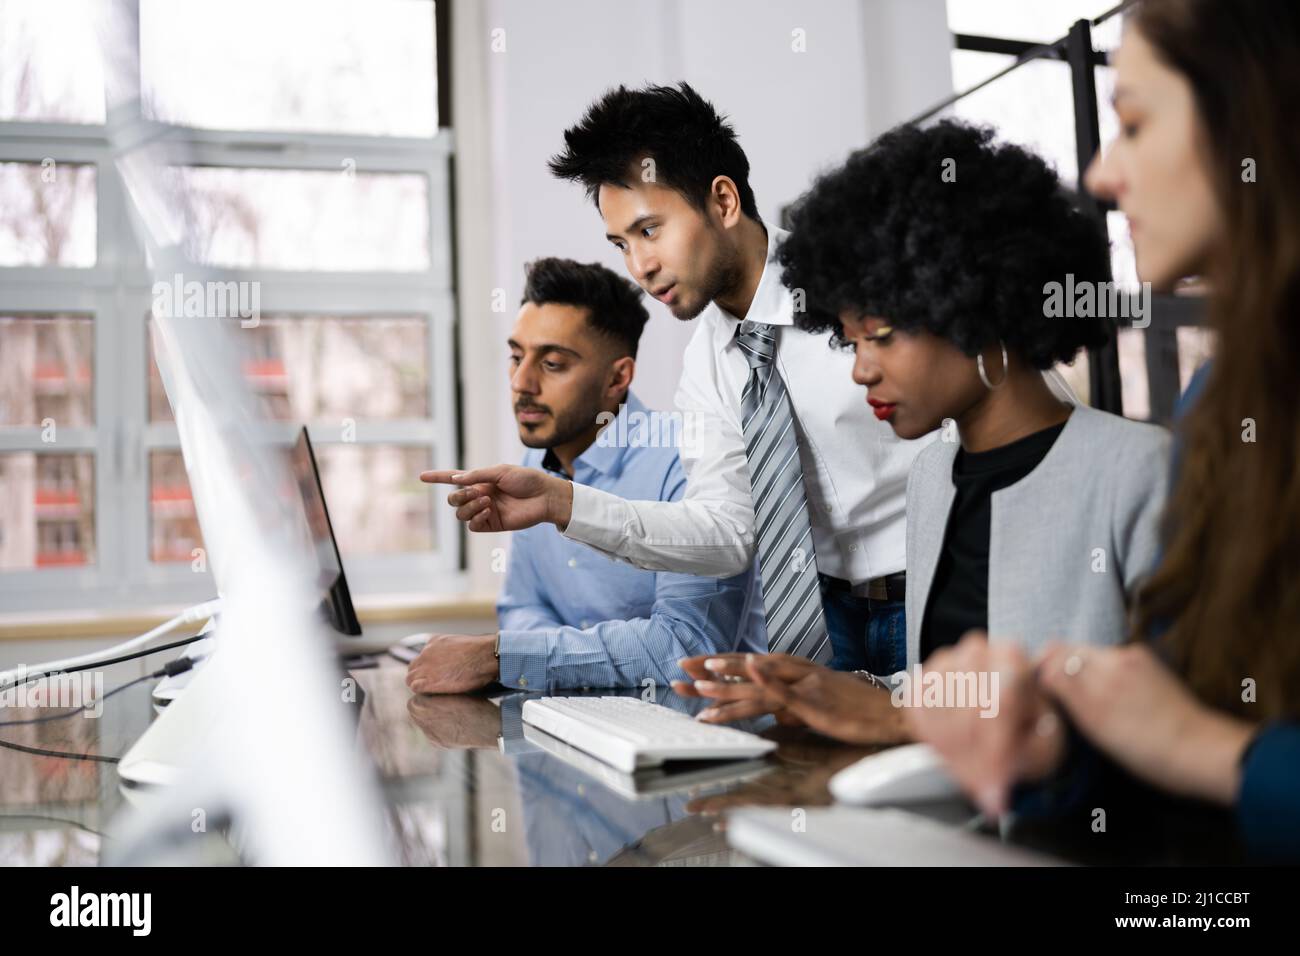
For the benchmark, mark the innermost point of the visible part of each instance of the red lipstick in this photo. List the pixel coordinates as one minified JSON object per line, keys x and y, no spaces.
{"x":882,"y":410}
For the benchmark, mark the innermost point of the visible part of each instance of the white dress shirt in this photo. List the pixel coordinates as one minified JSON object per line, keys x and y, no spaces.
{"x":855,"y":469}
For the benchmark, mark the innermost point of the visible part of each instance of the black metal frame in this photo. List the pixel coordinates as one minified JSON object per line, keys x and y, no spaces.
{"x":442,"y":42}
{"x":442,"y":20}
{"x":1103,"y":362}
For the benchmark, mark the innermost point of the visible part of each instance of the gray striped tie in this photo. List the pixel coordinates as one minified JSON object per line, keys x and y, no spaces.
{"x":791,"y":592}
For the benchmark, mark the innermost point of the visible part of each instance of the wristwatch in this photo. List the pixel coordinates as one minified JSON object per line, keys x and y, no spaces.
{"x":496,"y":648}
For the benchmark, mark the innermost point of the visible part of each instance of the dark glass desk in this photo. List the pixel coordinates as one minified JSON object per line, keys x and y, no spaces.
{"x":465,"y":785}
{"x":469,"y":784}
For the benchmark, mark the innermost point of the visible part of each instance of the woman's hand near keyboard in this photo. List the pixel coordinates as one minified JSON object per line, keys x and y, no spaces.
{"x":837,"y":704}
{"x":725,"y":678}
{"x":795,"y":690}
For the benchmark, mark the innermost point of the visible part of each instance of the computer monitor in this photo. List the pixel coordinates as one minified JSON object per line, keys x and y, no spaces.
{"x":337,"y":599}
{"x":265,"y":732}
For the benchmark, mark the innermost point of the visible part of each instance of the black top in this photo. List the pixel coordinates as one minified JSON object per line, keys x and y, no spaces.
{"x":959,"y":594}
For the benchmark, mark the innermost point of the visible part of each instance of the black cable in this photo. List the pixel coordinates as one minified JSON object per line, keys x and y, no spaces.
{"x":77,"y":710}
{"x":38,"y":816}
{"x":39,"y":752}
{"x":106,"y":663}
{"x":136,"y":655}
{"x":179,"y":666}
{"x":1118,"y":8}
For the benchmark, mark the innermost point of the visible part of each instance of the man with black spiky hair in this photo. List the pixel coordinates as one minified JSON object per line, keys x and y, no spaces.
{"x":784,"y":459}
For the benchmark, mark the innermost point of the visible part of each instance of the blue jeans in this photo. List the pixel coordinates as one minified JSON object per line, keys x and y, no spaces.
{"x":866,"y":635}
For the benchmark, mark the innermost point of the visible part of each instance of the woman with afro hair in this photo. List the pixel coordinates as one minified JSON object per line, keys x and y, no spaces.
{"x":933,"y":254}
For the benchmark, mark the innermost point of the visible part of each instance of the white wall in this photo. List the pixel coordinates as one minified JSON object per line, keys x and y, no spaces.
{"x":908,"y":59}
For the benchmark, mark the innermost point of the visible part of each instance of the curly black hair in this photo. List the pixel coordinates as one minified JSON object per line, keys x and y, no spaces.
{"x":690,"y":142}
{"x":614,"y":307}
{"x":961,"y":249}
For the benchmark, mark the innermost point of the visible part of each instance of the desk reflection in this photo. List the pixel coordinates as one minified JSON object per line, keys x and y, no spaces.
{"x":576,"y":811}
{"x":468,"y":784}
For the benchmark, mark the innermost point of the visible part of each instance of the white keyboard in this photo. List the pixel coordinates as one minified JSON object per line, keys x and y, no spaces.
{"x":853,"y":836}
{"x":628,"y":733}
{"x":651,"y":783}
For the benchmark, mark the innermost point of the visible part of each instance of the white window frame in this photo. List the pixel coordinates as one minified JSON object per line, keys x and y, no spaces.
{"x":117,"y":291}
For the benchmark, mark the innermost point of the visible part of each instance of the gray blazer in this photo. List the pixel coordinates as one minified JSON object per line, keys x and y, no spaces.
{"x":1068,"y":543}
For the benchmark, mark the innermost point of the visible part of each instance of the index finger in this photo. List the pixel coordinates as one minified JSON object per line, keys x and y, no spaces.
{"x":454,"y":477}
{"x":770,"y":684}
{"x":694,"y":666}
{"x":449,"y":477}
{"x":779,"y":667}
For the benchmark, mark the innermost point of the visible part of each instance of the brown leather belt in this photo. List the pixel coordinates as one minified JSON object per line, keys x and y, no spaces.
{"x":889,"y":587}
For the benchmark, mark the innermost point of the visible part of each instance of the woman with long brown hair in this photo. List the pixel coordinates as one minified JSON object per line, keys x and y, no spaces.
{"x":1205,"y":702}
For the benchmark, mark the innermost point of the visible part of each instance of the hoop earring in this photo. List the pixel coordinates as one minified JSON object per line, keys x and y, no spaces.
{"x":979,"y":365}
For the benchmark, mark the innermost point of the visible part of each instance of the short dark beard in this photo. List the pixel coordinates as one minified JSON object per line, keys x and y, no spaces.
{"x":723,"y":276}
{"x":568,"y":426}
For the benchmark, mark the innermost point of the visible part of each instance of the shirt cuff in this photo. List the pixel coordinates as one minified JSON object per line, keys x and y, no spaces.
{"x":512,"y":740}
{"x":523,"y":659}
{"x":592,"y":519}
{"x":1267,"y":816}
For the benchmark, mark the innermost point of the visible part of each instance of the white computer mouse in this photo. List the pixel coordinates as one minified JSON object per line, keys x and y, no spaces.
{"x":911,"y":773}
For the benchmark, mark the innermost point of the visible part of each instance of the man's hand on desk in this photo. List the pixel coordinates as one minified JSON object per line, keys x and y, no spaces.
{"x":506,"y":497}
{"x":454,"y":664}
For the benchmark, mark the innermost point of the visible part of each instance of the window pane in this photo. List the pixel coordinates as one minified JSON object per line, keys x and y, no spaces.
{"x":318,"y":65}
{"x":1107,"y":118}
{"x":1135,"y":389}
{"x":302,"y":219}
{"x":47,"y":510}
{"x":1041,"y":21}
{"x":173,"y":523}
{"x":1131,"y":344}
{"x":47,"y":214}
{"x":326,"y":368}
{"x":1123,"y":263}
{"x":376,"y":501}
{"x":50,"y":67}
{"x":45,"y":371}
{"x":1032,"y":106}
{"x":1123,"y":259}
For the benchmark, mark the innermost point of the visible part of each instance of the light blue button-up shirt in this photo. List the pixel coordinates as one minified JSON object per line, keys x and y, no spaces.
{"x":571,"y":617}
